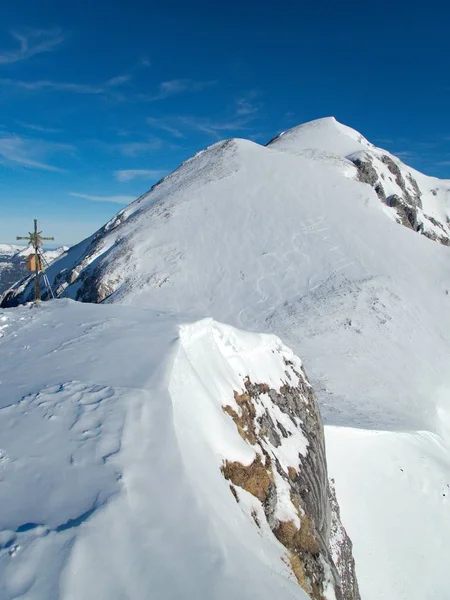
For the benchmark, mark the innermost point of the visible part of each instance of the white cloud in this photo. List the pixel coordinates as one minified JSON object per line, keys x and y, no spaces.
{"x":114,"y":199}
{"x":246,"y":105}
{"x":138,"y":148}
{"x":31,"y":42}
{"x":30,"y":152}
{"x":165,"y":126}
{"x":244,"y":111}
{"x":130,"y":174}
{"x":119,"y":80}
{"x":63,"y":86}
{"x":38,"y":128}
{"x":174,"y":87}
{"x":45,"y":84}
{"x":212,"y":127}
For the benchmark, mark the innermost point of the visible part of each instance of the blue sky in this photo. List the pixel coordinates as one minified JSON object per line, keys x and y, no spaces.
{"x":99,"y":100}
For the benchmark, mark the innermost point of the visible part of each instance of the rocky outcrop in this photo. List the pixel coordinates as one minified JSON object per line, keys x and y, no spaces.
{"x":298,"y":504}
{"x":406,"y":212}
{"x":413,"y":200}
{"x":342,"y":549}
{"x":368,"y":174}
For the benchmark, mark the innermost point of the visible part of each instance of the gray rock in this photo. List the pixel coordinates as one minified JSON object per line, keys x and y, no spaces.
{"x":322,"y":537}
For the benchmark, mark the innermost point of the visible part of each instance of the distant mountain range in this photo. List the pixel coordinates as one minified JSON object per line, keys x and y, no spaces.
{"x":13,"y":261}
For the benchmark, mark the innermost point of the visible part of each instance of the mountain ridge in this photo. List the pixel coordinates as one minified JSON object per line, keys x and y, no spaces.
{"x":298,"y":241}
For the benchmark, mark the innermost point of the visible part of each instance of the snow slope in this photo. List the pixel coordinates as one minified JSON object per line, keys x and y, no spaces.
{"x":416,"y":200}
{"x":295,"y":239}
{"x":396,"y":484}
{"x":113,"y":441}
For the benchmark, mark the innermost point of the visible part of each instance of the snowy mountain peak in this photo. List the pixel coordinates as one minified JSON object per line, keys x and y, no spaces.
{"x":258,"y":201}
{"x":325,"y":134}
{"x":412,"y":199}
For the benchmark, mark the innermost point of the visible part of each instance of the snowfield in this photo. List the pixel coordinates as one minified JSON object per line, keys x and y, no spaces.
{"x":328,"y":242}
{"x":113,"y":436}
{"x":394,"y":491}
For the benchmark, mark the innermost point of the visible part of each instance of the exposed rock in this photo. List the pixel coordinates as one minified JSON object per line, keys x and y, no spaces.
{"x":366,"y":171}
{"x":313,"y":546}
{"x":417,"y":193}
{"x":407,"y":214}
{"x":368,"y":174}
{"x":413,"y":200}
{"x":342,"y":549}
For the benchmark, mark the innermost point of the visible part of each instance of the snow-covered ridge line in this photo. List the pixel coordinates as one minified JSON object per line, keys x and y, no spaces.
{"x":271,"y":450}
{"x":415,"y":200}
{"x":125,"y":449}
{"x":319,"y":159}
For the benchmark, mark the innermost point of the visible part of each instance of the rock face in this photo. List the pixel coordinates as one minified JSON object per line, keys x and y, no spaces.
{"x":298,"y":503}
{"x":407,"y":201}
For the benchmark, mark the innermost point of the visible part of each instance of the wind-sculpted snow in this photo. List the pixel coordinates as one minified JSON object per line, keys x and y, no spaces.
{"x":274,"y":457}
{"x":112,"y":453}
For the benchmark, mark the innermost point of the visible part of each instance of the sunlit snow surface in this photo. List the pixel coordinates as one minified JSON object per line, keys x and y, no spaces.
{"x":283,"y":239}
{"x":112,"y":439}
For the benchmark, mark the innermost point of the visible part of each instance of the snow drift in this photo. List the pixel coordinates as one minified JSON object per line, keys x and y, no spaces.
{"x":127,"y":469}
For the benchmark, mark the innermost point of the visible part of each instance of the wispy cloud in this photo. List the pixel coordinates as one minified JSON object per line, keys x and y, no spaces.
{"x":166,"y":89}
{"x":247,"y":105}
{"x":165,"y":126}
{"x":61,"y":86}
{"x":406,"y":154}
{"x":137,"y":148}
{"x":113,"y":199}
{"x":119,"y":80}
{"x":244,"y":110}
{"x":443,"y":163}
{"x":29,"y":152}
{"x":38,"y":128}
{"x":45,"y":84}
{"x":30,"y":43}
{"x":212,"y":127}
{"x":130,"y":174}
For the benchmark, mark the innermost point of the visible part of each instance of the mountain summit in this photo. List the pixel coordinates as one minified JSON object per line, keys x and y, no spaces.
{"x":341,"y":249}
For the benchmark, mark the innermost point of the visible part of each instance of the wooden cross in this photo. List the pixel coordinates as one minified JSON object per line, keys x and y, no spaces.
{"x":35,"y":238}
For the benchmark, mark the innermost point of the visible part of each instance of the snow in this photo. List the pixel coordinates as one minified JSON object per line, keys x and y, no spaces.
{"x":325,"y":134}
{"x":394,"y":492}
{"x":9,"y":249}
{"x":112,"y":441}
{"x":282,"y":239}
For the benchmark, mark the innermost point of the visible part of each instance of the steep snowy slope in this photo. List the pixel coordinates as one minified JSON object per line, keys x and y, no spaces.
{"x":294,"y":239}
{"x":126,"y":470}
